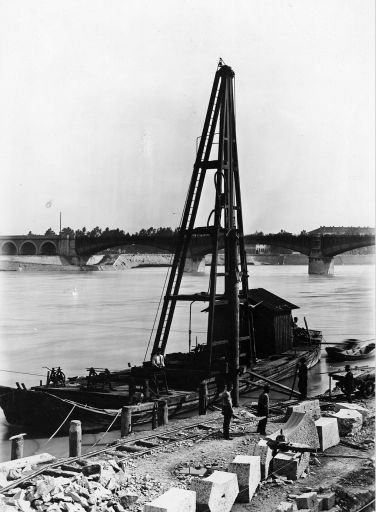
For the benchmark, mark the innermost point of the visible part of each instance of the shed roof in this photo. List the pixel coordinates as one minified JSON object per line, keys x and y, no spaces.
{"x":269,"y":300}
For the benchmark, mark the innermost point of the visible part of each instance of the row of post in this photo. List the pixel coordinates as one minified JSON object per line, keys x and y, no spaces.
{"x":159,"y":418}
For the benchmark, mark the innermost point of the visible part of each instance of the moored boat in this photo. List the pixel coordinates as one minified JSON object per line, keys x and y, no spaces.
{"x":351,"y":350}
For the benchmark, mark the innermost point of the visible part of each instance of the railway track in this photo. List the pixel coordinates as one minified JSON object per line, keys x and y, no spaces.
{"x":125,"y":449}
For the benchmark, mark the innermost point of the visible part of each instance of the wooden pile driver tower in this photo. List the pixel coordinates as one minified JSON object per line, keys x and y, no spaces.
{"x":229,"y":316}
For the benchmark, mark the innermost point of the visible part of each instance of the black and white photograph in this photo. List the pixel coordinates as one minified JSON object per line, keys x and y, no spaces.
{"x":187,"y":256}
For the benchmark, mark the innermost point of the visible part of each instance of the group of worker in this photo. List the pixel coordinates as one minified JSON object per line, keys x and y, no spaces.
{"x":264,"y":401}
{"x":228,"y":412}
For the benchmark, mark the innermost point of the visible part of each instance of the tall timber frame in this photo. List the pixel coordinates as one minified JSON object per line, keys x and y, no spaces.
{"x":227,"y":222}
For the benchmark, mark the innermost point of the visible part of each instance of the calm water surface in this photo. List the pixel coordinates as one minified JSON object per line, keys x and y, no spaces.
{"x":104,"y":319}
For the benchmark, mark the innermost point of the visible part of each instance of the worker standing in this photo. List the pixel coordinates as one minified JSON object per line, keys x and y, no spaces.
{"x":263,"y":410}
{"x":303,"y":378}
{"x":158,"y":359}
{"x":227,"y":410}
{"x":348,"y":383}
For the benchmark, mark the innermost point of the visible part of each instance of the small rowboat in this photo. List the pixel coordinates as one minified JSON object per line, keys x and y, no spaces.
{"x":351,"y":350}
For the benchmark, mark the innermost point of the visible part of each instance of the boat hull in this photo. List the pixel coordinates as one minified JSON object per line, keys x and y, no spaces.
{"x":43,"y":411}
{"x":339,"y":356}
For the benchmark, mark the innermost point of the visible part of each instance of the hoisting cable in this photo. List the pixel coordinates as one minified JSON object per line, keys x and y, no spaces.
{"x":165,"y":281}
{"x":57,"y":430}
{"x":113,"y":421}
{"x":23,"y":373}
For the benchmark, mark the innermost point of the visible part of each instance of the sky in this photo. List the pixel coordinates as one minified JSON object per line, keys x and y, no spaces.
{"x":101,"y":103}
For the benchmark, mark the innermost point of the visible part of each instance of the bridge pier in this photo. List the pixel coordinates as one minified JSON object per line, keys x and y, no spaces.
{"x":194,"y":264}
{"x":321,"y":265}
{"x":67,"y":246}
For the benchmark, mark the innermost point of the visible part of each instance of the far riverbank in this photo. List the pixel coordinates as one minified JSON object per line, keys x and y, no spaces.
{"x":126,"y":261}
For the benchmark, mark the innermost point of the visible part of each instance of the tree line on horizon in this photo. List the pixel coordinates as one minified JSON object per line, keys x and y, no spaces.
{"x":168,"y":231}
{"x":107,"y":232}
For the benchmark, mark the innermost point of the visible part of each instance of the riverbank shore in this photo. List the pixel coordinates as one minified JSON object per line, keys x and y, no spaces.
{"x":345,"y":469}
{"x":114,"y":261}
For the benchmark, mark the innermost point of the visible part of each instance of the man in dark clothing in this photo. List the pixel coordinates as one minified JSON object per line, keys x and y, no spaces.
{"x":303,"y":378}
{"x":227,"y":410}
{"x":263,"y":410}
{"x":348,"y":383}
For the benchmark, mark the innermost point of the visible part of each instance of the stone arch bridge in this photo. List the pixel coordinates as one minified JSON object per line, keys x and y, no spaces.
{"x":320,"y":249}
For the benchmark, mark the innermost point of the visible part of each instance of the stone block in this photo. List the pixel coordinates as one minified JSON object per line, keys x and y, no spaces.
{"x":248,"y":470}
{"x":352,"y":407}
{"x":327,"y":430}
{"x":128,"y":498}
{"x":174,"y":500}
{"x":310,"y":406}
{"x":285,"y":506}
{"x":299,"y":428}
{"x":91,"y":469}
{"x":290,"y":464}
{"x":328,"y":500}
{"x":217,"y":492}
{"x":266,"y":455}
{"x":349,"y":422}
{"x":307,"y":500}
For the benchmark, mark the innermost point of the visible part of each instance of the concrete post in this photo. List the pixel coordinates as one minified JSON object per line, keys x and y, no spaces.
{"x":17,"y":446}
{"x":75,"y":438}
{"x":163,"y":412}
{"x":126,"y":421}
{"x":203,"y":398}
{"x":146,"y":389}
{"x":154,"y":416}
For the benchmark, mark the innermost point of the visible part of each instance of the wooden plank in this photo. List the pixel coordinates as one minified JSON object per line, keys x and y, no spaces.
{"x":283,"y":388}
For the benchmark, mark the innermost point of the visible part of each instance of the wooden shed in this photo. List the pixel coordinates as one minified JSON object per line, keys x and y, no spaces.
{"x":272,"y":322}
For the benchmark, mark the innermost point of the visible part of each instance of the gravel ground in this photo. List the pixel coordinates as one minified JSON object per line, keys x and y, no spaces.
{"x":346,"y":469}
{"x":334,"y":472}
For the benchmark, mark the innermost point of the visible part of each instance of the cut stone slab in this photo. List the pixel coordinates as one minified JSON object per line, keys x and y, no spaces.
{"x":128,"y":498}
{"x":352,"y":407}
{"x":310,"y":406}
{"x":327,"y":430}
{"x":299,"y":428}
{"x":266,"y":456}
{"x":285,"y":506}
{"x":349,"y":422}
{"x":328,"y":500}
{"x":248,"y":470}
{"x":174,"y":500}
{"x":290,"y":464}
{"x":217,"y":492}
{"x":307,"y":500}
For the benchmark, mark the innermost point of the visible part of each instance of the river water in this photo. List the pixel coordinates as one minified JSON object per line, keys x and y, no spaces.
{"x":104,"y":319}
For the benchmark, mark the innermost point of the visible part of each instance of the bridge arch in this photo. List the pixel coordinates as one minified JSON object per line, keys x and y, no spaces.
{"x":48,"y":249}
{"x":9,"y":248}
{"x":28,"y":249}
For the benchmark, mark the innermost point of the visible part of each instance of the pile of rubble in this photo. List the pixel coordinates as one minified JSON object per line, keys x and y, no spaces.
{"x":83,"y":487}
{"x":309,"y":502}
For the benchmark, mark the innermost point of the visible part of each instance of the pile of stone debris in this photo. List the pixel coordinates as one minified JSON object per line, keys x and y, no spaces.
{"x":83,"y":487}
